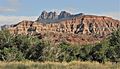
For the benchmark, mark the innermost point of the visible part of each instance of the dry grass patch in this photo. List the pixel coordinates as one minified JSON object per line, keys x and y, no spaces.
{"x":57,"y":65}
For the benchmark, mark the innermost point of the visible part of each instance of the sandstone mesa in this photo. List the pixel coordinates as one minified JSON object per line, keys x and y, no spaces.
{"x":78,"y":28}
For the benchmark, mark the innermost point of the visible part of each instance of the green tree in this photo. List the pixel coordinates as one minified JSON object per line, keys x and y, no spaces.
{"x":84,"y":52}
{"x":36,"y":53}
{"x":114,"y":46}
{"x":11,"y":54}
{"x":6,"y":39}
{"x":67,"y":52}
{"x":98,"y":53}
{"x":25,"y":43}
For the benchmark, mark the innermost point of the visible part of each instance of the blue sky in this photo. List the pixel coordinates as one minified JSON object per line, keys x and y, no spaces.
{"x":33,"y":8}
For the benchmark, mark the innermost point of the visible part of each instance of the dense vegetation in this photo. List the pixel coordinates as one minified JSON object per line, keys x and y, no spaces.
{"x":26,"y":47}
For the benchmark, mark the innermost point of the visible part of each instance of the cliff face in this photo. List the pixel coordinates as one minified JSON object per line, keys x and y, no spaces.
{"x":82,"y":29}
{"x":52,"y":17}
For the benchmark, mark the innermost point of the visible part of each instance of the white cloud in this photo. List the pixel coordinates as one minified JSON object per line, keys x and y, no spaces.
{"x":73,"y":10}
{"x":12,"y":6}
{"x":5,"y":10}
{"x":15,"y":19}
{"x":13,"y":1}
{"x":68,"y":9}
{"x":114,"y":15}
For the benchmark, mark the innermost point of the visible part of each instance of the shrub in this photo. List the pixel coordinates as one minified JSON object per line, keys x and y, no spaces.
{"x":11,"y":54}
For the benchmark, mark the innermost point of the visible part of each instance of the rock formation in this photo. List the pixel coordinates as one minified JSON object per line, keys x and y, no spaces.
{"x":79,"y":28}
{"x":52,"y":17}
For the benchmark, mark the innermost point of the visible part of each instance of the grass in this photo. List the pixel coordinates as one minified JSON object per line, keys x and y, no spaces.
{"x":57,"y":65}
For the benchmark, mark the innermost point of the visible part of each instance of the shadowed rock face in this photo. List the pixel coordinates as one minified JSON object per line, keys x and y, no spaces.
{"x":81,"y":29}
{"x":52,"y":17}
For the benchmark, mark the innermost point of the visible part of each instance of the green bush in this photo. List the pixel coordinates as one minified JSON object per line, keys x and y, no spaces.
{"x":20,"y":47}
{"x":11,"y":54}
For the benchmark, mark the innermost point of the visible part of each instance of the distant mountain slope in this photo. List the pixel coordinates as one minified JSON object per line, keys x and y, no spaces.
{"x":51,"y":17}
{"x":79,"y":28}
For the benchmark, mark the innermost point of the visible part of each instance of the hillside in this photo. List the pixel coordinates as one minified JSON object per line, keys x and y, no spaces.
{"x":78,"y":28}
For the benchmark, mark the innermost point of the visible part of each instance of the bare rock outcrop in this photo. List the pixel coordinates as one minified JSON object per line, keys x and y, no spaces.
{"x":81,"y":29}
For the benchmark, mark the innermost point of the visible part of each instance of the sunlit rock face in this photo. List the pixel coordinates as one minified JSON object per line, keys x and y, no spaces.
{"x":79,"y":28}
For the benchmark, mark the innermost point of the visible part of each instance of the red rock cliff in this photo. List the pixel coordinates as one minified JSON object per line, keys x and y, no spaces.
{"x":79,"y":29}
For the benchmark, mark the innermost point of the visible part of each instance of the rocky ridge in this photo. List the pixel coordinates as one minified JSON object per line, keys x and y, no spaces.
{"x":52,"y":17}
{"x":79,"y":28}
